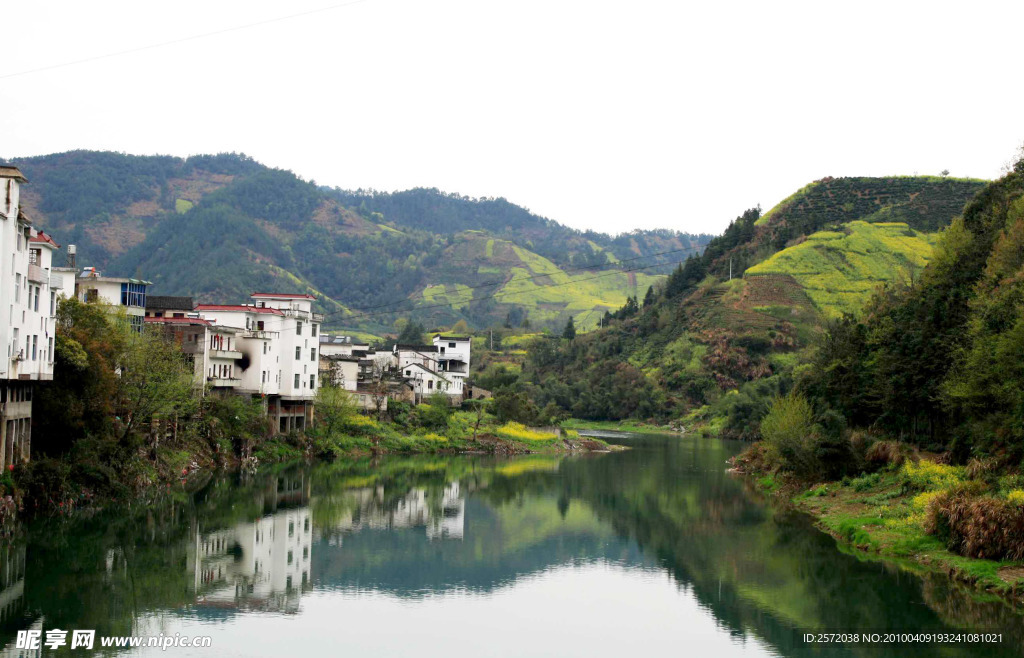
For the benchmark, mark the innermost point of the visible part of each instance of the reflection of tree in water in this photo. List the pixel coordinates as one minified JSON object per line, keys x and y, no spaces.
{"x":754,"y":569}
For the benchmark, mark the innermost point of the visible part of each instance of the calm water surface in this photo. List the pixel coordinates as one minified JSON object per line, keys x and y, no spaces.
{"x":653,"y":551}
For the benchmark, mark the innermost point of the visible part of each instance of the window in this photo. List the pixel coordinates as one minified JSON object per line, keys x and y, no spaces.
{"x":264,"y":347}
{"x":35,"y":346}
{"x":296,"y":381}
{"x":291,"y":528}
{"x":49,"y":352}
{"x":291,"y":557}
{"x":298,"y":353}
{"x":408,"y":373}
{"x":312,"y":381}
{"x":264,"y":376}
{"x":312,"y":354}
{"x":53,"y":304}
{"x":17,"y":287}
{"x":298,"y":327}
{"x":430,"y":383}
{"x":451,"y":344}
{"x":33,"y":256}
{"x":133,"y":294}
{"x":313,"y":330}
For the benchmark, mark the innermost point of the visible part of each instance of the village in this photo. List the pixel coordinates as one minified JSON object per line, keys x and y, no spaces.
{"x":270,"y":347}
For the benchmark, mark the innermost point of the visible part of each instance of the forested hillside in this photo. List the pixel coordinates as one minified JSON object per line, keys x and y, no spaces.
{"x":731,"y":328}
{"x":219,"y":227}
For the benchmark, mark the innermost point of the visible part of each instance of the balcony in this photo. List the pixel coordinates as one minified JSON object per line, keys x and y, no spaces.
{"x":260,"y":333}
{"x":225,"y":354}
{"x":37,"y":274}
{"x":57,"y":282}
{"x":223,"y":382}
{"x":318,"y":317}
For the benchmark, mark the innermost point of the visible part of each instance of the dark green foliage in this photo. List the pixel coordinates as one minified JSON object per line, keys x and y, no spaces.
{"x":411,"y":334}
{"x":569,"y":333}
{"x":255,"y":228}
{"x":443,"y":213}
{"x":512,"y":404}
{"x":927,"y":360}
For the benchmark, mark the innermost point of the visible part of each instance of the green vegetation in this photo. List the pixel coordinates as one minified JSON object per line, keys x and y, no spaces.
{"x":840,"y":270}
{"x":256,"y":228}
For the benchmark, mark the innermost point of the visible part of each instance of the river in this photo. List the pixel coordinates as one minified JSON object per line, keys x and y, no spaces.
{"x":651,"y":551}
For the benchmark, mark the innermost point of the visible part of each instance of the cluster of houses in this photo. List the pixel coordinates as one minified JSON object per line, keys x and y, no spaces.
{"x":270,"y":346}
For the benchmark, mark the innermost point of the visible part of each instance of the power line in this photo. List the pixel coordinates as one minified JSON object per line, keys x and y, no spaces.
{"x":182,"y":39}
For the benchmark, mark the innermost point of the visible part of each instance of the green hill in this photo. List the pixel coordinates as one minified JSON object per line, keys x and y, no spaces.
{"x":710,"y":348}
{"x":219,"y":227}
{"x":839,"y":270}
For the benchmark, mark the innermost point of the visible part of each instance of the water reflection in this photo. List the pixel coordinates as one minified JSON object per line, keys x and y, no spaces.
{"x":584,"y":553}
{"x":255,"y":565}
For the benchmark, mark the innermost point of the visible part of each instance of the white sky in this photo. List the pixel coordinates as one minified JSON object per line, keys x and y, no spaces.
{"x":604,"y":115}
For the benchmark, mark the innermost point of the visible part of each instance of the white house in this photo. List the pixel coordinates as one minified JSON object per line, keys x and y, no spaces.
{"x":278,"y":341}
{"x":213,"y":350}
{"x":128,"y":293}
{"x":28,"y":299}
{"x":453,"y":355}
{"x":341,"y":345}
{"x":425,"y":381}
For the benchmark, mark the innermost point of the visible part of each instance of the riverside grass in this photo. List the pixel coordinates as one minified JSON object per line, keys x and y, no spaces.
{"x":883,"y":515}
{"x":362,"y":435}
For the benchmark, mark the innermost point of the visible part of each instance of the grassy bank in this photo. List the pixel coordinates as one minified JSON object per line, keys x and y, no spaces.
{"x":99,"y":471}
{"x":637,"y":427}
{"x":886,"y":515}
{"x":460,"y":432}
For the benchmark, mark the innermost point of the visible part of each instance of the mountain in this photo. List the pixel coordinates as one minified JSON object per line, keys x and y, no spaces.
{"x":731,"y":327}
{"x":218,"y":227}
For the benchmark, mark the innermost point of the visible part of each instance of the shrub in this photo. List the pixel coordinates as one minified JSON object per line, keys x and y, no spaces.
{"x":787,"y":431}
{"x":883,"y":453}
{"x":926,"y":475}
{"x":977,"y":526}
{"x":1016,"y":497}
{"x":519,"y":432}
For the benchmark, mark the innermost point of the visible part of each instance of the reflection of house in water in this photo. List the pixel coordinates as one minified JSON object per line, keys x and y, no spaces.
{"x":444,"y":518}
{"x":13,"y":615}
{"x":262,"y":564}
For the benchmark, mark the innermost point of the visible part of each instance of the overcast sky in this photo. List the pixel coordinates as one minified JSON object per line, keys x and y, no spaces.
{"x":604,"y":115}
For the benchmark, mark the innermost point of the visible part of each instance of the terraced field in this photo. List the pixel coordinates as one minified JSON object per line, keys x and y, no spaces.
{"x":839,"y":270}
{"x":525,"y":278}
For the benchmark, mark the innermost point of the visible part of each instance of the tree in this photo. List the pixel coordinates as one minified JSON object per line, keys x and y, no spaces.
{"x":334,"y":407}
{"x":649,"y":297}
{"x":154,"y":379}
{"x":411,"y":334}
{"x":944,"y":173}
{"x":570,"y":330}
{"x":379,"y":386}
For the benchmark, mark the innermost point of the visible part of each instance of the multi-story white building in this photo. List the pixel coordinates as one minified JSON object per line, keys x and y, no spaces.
{"x":341,"y":345}
{"x":128,"y":293}
{"x":28,"y":298}
{"x":212,"y":349}
{"x":279,"y":346}
{"x":453,"y":355}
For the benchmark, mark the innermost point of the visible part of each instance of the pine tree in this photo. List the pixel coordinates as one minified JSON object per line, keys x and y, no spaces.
{"x":570,"y":329}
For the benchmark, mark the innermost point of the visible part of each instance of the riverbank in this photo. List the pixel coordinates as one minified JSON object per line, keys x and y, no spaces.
{"x":635,"y":427}
{"x":883,"y":515}
{"x":98,"y":472}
